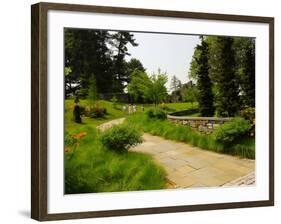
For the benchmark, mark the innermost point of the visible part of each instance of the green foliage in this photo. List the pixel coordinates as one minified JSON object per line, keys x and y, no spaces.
{"x":132,"y":65}
{"x":155,"y":90}
{"x":193,"y":70}
{"x":232,"y":131}
{"x":175,"y":83}
{"x":249,"y":114}
{"x":244,"y":147}
{"x":77,"y":114}
{"x":150,"y":89}
{"x":121,"y":137}
{"x":156,"y":113}
{"x":191,"y":95}
{"x":204,"y":84}
{"x":76,"y":99}
{"x":97,"y":52}
{"x":245,"y":68}
{"x":97,"y":112}
{"x":138,"y":84}
{"x":92,"y":92}
{"x":114,"y":102}
{"x":231,"y":62}
{"x":69,"y":140}
{"x":222,"y":72}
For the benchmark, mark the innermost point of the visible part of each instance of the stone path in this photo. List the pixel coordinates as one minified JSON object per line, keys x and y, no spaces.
{"x":189,"y":166}
{"x":109,"y":124}
{"x":243,"y":181}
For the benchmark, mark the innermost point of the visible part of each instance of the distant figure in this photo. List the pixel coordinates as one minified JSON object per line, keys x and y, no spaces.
{"x":134,"y":108}
{"x":129,"y":109}
{"x":142,"y":108}
{"x":77,"y":114}
{"x":124,"y":108}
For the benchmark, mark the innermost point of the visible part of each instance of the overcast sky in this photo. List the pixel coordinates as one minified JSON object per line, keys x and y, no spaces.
{"x":172,"y":53}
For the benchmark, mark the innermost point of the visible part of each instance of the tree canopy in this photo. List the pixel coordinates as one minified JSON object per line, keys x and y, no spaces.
{"x":96,"y":52}
{"x":231,"y":69}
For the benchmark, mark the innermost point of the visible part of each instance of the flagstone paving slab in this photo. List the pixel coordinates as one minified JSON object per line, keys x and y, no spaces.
{"x":187,"y":166}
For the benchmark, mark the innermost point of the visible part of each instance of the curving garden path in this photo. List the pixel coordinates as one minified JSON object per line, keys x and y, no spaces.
{"x":188,"y":166}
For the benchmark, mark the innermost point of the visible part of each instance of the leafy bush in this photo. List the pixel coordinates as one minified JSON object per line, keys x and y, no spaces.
{"x":231,"y":131}
{"x":98,"y":112}
{"x":114,"y":102}
{"x":121,"y":137}
{"x":249,"y":114}
{"x":76,"y":99}
{"x":156,"y":113}
{"x":94,"y":112}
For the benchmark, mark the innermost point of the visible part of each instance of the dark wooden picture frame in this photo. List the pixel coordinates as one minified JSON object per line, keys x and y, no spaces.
{"x":39,"y":148}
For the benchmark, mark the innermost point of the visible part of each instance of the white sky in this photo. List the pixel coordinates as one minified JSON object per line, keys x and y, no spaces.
{"x":172,"y":53}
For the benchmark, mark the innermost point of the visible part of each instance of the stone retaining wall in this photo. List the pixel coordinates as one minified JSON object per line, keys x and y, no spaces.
{"x":202,"y":124}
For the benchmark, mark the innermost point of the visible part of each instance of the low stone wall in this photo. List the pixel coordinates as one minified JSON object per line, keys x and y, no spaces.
{"x":202,"y":124}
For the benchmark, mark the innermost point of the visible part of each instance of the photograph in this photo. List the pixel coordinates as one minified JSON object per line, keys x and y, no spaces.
{"x":155,"y":111}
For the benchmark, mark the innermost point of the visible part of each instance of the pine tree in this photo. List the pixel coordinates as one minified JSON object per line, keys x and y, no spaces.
{"x":222,"y":71}
{"x":92,"y":92}
{"x":204,"y":84}
{"x":245,"y":68}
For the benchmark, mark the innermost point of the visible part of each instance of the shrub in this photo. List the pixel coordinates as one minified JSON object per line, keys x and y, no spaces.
{"x":156,"y":113}
{"x":94,"y":112}
{"x":114,"y":102}
{"x":231,"y":131}
{"x":77,"y":114}
{"x":249,"y":114}
{"x":121,"y":137}
{"x":98,"y":112}
{"x":76,"y":99}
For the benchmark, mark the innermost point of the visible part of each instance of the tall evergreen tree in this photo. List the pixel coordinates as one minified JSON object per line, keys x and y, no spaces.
{"x":92,"y":91}
{"x":87,"y":52}
{"x":96,"y":52}
{"x":204,"y":84}
{"x":245,"y":69}
{"x":120,"y":41}
{"x":222,"y":72}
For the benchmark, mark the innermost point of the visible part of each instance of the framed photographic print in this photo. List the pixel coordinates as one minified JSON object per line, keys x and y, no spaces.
{"x":139,"y":111}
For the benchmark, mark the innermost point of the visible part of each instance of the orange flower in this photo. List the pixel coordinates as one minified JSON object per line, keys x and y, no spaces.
{"x":80,"y":135}
{"x":67,"y":149}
